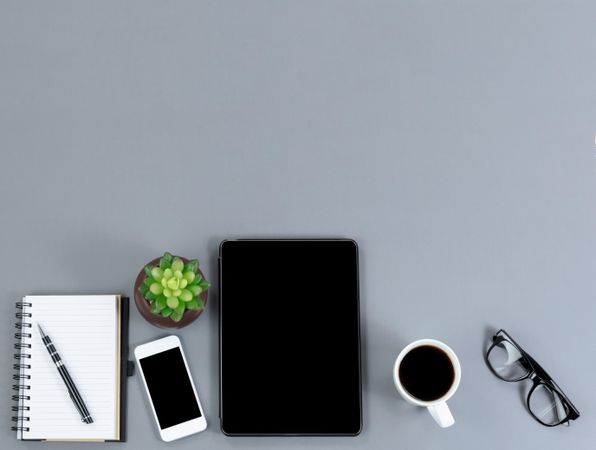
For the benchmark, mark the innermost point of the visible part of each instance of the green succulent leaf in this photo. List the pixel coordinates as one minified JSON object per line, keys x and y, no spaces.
{"x":189,"y":276}
{"x":183,"y":283}
{"x":176,"y":317}
{"x":166,"y":312}
{"x":168,"y":258}
{"x":172,"y":302}
{"x":198,"y":279}
{"x":177,"y":264}
{"x":167,"y":292}
{"x":155,"y":307}
{"x":148,"y":281}
{"x":156,"y":288}
{"x":143,"y":289}
{"x":180,"y":308}
{"x":200,"y":303}
{"x":165,"y":262}
{"x":196,"y":289}
{"x":150,"y":296}
{"x":186,"y":295}
{"x":168,"y":273}
{"x":157,"y":273}
{"x":191,"y":265}
{"x":147,"y":269}
{"x":193,"y":304}
{"x":204,"y":284}
{"x":161,"y":300}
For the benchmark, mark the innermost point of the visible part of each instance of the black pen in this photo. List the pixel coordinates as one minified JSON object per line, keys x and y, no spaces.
{"x":72,"y":389}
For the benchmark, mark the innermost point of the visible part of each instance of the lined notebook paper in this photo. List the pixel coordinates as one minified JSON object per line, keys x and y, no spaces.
{"x":85,"y":332}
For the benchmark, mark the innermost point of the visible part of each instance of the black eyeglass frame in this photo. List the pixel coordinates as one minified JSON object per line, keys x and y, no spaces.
{"x":537,"y":374}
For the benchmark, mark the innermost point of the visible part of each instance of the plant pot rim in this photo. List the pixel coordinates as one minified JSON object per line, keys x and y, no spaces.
{"x":143,"y":306}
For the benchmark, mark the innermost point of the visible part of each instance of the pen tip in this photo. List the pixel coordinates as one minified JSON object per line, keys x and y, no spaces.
{"x":40,"y":330}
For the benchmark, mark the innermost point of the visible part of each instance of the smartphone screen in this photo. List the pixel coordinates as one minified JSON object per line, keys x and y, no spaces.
{"x":170,"y":388}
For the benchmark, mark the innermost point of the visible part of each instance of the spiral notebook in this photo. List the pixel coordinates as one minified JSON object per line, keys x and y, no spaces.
{"x":90,"y":332}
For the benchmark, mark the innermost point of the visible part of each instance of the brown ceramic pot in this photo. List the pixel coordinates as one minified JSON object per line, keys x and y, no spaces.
{"x":144,"y":306}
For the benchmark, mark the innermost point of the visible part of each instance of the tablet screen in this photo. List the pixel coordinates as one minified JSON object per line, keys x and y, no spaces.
{"x":289,"y":336}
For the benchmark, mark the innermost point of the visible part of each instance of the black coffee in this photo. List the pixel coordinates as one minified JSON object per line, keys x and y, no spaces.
{"x":426,"y":372}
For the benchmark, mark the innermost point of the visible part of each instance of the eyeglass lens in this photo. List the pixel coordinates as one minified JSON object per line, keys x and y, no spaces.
{"x":546,"y":405}
{"x":507,"y":362}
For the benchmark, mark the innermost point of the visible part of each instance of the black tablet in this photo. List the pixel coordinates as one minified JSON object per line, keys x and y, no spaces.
{"x":289,"y":337}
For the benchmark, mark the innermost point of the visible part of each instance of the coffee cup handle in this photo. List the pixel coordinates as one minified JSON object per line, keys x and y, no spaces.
{"x":441,"y":414}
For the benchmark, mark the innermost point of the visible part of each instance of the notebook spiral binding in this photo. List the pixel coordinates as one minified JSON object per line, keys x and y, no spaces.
{"x":20,"y":397}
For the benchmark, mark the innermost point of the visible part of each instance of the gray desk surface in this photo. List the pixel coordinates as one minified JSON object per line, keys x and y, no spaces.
{"x":454,"y":140}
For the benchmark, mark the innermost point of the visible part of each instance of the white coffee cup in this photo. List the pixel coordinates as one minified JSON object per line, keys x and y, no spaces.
{"x":437,"y":408}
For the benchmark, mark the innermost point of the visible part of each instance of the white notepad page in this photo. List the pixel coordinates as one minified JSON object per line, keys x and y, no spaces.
{"x":84,"y":331}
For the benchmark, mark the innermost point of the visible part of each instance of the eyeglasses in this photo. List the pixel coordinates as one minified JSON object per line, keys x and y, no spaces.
{"x":546,"y":401}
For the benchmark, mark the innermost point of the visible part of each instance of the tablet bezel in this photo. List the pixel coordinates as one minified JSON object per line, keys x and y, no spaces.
{"x":359,"y":351}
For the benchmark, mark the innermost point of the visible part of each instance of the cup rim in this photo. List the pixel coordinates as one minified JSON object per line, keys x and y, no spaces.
{"x":456,"y":368}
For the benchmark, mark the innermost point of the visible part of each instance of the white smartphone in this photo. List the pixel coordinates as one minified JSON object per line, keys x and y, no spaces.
{"x":172,"y":394}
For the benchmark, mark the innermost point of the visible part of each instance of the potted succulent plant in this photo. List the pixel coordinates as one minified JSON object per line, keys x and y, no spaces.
{"x":171,"y":291}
